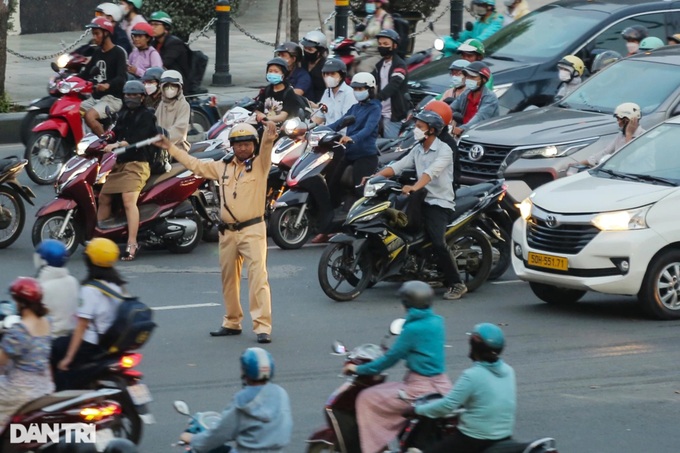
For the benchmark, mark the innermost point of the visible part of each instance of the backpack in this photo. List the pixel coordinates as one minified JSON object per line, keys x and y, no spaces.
{"x":132,"y":326}
{"x":198,"y":63}
{"x":402,"y":27}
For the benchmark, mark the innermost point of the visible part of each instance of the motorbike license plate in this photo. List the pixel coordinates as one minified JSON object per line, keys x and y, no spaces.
{"x":548,"y":261}
{"x":140,"y":394}
{"x":102,"y":438}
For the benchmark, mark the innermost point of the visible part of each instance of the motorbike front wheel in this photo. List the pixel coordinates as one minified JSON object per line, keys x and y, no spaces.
{"x":472,"y":252}
{"x":12,"y":216}
{"x":283,"y":231}
{"x":29,"y":121}
{"x":501,"y":254}
{"x":48,"y":227}
{"x":340,"y":278}
{"x":46,"y":155}
{"x":199,"y":124}
{"x":187,"y":243}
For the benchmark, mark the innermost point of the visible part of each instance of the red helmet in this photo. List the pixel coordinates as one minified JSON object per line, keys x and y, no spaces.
{"x":442,"y":108}
{"x":26,"y":289}
{"x":102,"y":23}
{"x":142,"y":28}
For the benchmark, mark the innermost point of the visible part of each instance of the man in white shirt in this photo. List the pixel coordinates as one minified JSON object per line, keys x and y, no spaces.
{"x":338,"y":97}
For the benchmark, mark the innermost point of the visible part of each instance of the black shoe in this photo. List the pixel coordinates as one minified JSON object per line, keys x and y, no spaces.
{"x":264,"y":338}
{"x":225,"y":331}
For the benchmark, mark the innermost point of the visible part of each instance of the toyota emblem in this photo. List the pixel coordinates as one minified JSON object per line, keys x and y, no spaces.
{"x":551,"y":221}
{"x":476,"y":152}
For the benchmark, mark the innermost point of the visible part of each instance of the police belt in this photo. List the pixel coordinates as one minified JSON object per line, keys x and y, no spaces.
{"x":238,"y":226}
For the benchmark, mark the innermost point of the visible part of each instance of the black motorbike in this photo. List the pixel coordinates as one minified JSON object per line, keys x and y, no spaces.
{"x":204,"y":113}
{"x":12,"y":210}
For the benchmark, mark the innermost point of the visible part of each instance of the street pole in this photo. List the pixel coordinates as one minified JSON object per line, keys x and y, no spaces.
{"x":341,"y":16}
{"x":221,"y":77}
{"x":457,"y":7}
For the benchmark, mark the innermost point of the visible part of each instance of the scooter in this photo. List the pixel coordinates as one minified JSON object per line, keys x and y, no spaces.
{"x":12,"y":210}
{"x":204,"y":113}
{"x":347,"y":50}
{"x":239,"y":113}
{"x":198,"y":422}
{"x":171,"y":208}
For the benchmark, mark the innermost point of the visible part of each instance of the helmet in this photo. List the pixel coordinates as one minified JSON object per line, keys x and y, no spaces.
{"x":257,"y":364}
{"x":489,"y":335}
{"x":110,"y":9}
{"x":675,"y":38}
{"x":627,"y":110}
{"x":635,"y":33}
{"x":243,"y":132}
{"x":651,"y":43}
{"x":432,"y":119}
{"x":162,"y":17}
{"x":314,"y":38}
{"x":363,"y":80}
{"x":459,"y":64}
{"x":573,"y":63}
{"x":121,"y":446}
{"x":442,"y":109}
{"x":53,"y":252}
{"x":334,"y":65}
{"x":478,"y":68}
{"x":136,"y":3}
{"x":280,"y":62}
{"x":101,"y":23}
{"x":390,"y":34}
{"x":102,"y":252}
{"x":603,"y":59}
{"x":172,"y":76}
{"x":291,"y":48}
{"x":133,"y":87}
{"x":142,"y":28}
{"x":472,"y":45}
{"x":416,"y":294}
{"x":27,"y":290}
{"x":484,"y":2}
{"x":153,"y":73}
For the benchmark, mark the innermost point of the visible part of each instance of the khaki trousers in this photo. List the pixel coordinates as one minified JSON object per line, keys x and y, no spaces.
{"x":249,"y":245}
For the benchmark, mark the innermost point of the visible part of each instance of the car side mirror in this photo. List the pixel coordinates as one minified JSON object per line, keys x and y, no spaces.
{"x":676,"y":110}
{"x":181,"y":407}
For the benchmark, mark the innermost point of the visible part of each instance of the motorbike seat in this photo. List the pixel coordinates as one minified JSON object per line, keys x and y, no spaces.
{"x":176,"y":169}
{"x":215,"y":154}
{"x":383,"y":144}
{"x":50,"y":399}
{"x":198,"y":147}
{"x":475,"y":190}
{"x":416,"y":58}
{"x":8,"y":162}
{"x":464,"y":204}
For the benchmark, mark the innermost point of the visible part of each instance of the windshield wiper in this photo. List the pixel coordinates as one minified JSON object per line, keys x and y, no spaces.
{"x":591,"y":109}
{"x":613,"y":173}
{"x":651,"y":178}
{"x":564,"y":105}
{"x":502,"y":57}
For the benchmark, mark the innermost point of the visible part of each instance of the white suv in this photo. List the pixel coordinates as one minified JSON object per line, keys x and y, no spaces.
{"x":614,"y":229}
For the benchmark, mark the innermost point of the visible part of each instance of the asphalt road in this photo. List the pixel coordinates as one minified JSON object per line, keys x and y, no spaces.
{"x":597,"y":376}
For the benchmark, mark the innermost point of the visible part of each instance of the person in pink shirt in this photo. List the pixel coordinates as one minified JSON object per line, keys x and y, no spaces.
{"x":131,"y":15}
{"x":143,"y":56}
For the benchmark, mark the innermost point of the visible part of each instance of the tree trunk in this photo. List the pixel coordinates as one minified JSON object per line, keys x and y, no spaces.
{"x":4,"y":24}
{"x":294,"y":21}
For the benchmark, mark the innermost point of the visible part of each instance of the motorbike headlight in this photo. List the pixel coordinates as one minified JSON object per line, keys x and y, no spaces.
{"x":315,"y":138}
{"x":500,"y":90}
{"x":438,"y":44}
{"x":370,"y":190}
{"x":65,"y":87}
{"x":557,"y":150}
{"x":63,"y":60}
{"x":368,"y":217}
{"x":525,"y":208}
{"x":631,"y":219}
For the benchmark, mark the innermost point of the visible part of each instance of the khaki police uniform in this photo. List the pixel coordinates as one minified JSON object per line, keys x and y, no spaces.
{"x":244,"y":192}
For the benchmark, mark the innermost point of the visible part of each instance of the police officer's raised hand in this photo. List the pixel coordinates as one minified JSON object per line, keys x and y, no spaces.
{"x":270,"y":129}
{"x":163,"y":142}
{"x":346,"y":139}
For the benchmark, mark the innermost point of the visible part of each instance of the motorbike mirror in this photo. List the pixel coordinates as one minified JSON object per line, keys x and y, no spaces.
{"x":469,"y":26}
{"x":339,"y":348}
{"x":94,"y":71}
{"x":458,"y":118}
{"x":54,"y":67}
{"x":10,"y":320}
{"x":397,"y":326}
{"x":449,"y":100}
{"x":181,"y":407}
{"x":403,"y":395}
{"x":348,"y":121}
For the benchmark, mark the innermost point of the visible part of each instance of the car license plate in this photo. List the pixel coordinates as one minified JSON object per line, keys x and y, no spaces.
{"x":140,"y":394}
{"x":102,"y":438}
{"x":548,"y":261}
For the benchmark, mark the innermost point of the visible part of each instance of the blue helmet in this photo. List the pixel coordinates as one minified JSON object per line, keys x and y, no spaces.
{"x":257,"y":364}
{"x":53,"y":252}
{"x":490,"y":335}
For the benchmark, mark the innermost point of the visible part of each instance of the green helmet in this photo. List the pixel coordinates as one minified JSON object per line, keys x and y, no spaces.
{"x":162,"y":17}
{"x":472,"y":45}
{"x":651,"y":43}
{"x":136,"y":3}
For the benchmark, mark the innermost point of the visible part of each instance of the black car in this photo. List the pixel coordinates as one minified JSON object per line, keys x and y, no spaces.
{"x":523,"y":56}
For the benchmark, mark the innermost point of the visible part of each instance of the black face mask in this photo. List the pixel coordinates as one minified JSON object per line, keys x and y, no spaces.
{"x":311,"y":56}
{"x":385,"y":51}
{"x":132,"y":103}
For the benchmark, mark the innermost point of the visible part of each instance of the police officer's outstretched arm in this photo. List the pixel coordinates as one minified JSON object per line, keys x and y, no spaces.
{"x":264,"y":159}
{"x":210,"y":170}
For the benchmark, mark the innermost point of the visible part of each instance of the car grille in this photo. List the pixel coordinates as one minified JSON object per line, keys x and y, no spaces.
{"x":486,"y":166}
{"x":564,"y":238}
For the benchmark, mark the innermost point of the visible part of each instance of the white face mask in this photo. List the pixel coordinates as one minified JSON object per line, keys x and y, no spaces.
{"x":150,"y":88}
{"x":480,"y":11}
{"x":170,"y":92}
{"x":418,"y":134}
{"x":565,"y":76}
{"x":632,"y":46}
{"x":456,"y":81}
{"x":125,"y":10}
{"x":361,"y":95}
{"x":471,"y":84}
{"x":331,"y":82}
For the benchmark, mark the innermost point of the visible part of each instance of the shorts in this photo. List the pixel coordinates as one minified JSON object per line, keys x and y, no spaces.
{"x":113,"y":103}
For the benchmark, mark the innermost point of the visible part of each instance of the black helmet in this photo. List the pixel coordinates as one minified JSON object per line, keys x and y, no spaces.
{"x":133,"y":87}
{"x":153,"y":73}
{"x":478,"y":68}
{"x":635,"y":33}
{"x":390,"y":34}
{"x":334,"y":65}
{"x":280,"y":62}
{"x":291,"y":48}
{"x":432,"y":119}
{"x":416,"y":294}
{"x":121,"y":446}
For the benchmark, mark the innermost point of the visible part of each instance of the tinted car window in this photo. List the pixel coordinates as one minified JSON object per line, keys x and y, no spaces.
{"x":611,"y":38}
{"x":542,"y":34}
{"x":653,"y":83}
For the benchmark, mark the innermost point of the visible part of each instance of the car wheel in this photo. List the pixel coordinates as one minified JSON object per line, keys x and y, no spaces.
{"x":555,"y":295}
{"x":660,"y":291}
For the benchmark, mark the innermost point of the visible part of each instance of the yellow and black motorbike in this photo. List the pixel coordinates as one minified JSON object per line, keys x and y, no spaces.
{"x":378,"y":245}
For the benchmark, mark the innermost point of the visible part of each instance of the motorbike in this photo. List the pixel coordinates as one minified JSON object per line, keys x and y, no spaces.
{"x":204,"y":113}
{"x":12,"y":210}
{"x":347,"y":50}
{"x":378,"y":243}
{"x":241,"y":112}
{"x":198,"y":422}
{"x":172,"y":210}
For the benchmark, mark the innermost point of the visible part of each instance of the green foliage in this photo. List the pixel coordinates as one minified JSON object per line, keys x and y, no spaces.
{"x":187,"y":16}
{"x":427,"y":7}
{"x":6,"y":104}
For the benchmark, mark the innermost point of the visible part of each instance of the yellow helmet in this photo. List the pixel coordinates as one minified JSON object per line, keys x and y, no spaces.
{"x":574,"y":63}
{"x":102,"y":252}
{"x":243,"y":132}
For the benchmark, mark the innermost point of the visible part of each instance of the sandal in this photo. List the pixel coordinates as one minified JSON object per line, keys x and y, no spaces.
{"x":130,"y":252}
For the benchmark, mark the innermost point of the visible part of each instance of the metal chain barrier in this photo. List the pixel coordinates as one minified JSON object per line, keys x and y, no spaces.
{"x":431,"y":22}
{"x":325,"y":22}
{"x":203,"y":32}
{"x":251,"y":36}
{"x":355,"y":19}
{"x":54,"y":55}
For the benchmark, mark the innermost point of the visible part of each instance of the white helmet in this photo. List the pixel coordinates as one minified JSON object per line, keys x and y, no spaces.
{"x":628,"y":110}
{"x":363,"y":80}
{"x":314,"y":38}
{"x":111,"y":9}
{"x":171,"y":76}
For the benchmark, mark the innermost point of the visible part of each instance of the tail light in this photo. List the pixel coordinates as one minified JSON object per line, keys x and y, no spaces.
{"x":101,"y":411}
{"x":130,"y":361}
{"x":213,"y":101}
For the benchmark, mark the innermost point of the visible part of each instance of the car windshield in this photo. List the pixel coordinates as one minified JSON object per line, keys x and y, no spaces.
{"x":542,"y":34}
{"x":614,"y":85}
{"x":653,"y":157}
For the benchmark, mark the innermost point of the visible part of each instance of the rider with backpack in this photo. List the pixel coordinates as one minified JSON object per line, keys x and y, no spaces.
{"x":174,"y":52}
{"x":278,"y":100}
{"x":390,"y":73}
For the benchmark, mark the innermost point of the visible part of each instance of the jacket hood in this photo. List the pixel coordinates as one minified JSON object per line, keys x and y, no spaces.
{"x":499,"y":368}
{"x":418,"y":313}
{"x":261,"y":402}
{"x":52,"y":273}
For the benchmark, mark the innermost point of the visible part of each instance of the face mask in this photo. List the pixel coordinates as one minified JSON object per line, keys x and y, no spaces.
{"x":150,"y":88}
{"x":274,"y":78}
{"x":331,"y":82}
{"x":170,"y":92}
{"x":632,"y":47}
{"x":565,"y":76}
{"x":132,"y":103}
{"x":456,"y":80}
{"x":311,"y":56}
{"x":480,"y":11}
{"x":370,"y":8}
{"x":126,"y":10}
{"x":361,"y":95}
{"x":471,"y":84}
{"x":419,"y":134}
{"x":385,"y":51}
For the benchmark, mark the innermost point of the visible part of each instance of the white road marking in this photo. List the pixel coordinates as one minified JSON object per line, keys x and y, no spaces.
{"x":178,"y":307}
{"x":506,"y":282}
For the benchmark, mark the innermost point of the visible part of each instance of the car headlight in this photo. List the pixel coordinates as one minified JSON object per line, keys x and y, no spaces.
{"x":438,"y":44}
{"x":501,"y":89}
{"x":371,"y":189}
{"x":558,"y":150}
{"x":525,"y":208}
{"x":631,"y":219}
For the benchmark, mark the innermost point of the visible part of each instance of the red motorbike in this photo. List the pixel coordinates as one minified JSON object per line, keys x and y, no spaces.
{"x":346,"y":49}
{"x":54,"y":140}
{"x":171,"y":208}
